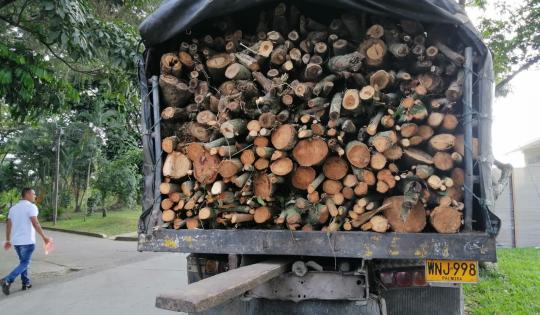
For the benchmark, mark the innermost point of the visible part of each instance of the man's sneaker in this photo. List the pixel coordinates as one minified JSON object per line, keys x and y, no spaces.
{"x":5,"y":286}
{"x":26,"y":287}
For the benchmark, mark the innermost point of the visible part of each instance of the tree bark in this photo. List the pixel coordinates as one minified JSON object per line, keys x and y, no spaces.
{"x":175,"y":93}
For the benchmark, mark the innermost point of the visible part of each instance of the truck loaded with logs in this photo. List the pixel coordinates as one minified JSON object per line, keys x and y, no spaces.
{"x":317,"y":157}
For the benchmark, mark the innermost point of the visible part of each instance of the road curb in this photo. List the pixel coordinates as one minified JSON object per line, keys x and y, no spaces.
{"x":98,"y":235}
{"x":126,"y":238}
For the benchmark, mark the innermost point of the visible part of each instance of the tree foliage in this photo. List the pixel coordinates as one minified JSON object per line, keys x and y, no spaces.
{"x":121,"y":178}
{"x":70,"y":64}
{"x":55,"y":50}
{"x":512,"y":34}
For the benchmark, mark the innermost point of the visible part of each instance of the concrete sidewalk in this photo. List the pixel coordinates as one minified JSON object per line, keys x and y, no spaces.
{"x":129,"y":289}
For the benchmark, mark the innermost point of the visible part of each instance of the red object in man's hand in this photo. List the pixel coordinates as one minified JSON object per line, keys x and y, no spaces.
{"x":7,"y":245}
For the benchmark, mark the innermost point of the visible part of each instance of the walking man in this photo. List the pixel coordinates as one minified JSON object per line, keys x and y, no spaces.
{"x":22,"y":224}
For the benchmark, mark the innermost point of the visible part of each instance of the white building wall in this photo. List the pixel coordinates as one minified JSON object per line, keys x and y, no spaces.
{"x":525,"y":190}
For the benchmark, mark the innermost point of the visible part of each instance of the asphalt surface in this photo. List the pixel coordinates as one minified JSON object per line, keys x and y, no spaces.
{"x":87,"y":275}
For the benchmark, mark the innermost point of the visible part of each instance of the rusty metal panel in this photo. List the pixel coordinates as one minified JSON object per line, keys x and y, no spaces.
{"x":368,"y":245}
{"x":314,"y":285}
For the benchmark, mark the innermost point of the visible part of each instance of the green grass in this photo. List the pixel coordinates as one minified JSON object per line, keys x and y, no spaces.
{"x":510,"y":287}
{"x":116,"y":222}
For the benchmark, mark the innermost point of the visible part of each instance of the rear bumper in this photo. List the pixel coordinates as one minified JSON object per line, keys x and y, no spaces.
{"x":368,"y":245}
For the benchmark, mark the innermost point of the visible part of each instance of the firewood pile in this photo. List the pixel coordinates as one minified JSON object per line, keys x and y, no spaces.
{"x":302,"y":125}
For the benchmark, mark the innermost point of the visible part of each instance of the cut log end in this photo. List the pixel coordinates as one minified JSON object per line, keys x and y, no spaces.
{"x":445,"y":219}
{"x":302,"y":177}
{"x":309,"y":152}
{"x":415,"y":220}
{"x":358,"y":154}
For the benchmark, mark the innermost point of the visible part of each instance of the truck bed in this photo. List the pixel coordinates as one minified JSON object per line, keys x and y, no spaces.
{"x":368,"y":245}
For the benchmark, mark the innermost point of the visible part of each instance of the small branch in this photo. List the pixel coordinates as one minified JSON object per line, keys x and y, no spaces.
{"x":25,"y":4}
{"x":91,"y":72}
{"x":509,"y":77}
{"x":51,"y":50}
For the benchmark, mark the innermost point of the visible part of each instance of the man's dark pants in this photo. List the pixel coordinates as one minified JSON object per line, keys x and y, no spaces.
{"x":25,"y":254}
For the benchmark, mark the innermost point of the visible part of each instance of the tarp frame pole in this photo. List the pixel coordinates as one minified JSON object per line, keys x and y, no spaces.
{"x":468,"y":126}
{"x":156,"y":135}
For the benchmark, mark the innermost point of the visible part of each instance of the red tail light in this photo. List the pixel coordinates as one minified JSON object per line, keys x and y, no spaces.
{"x":404,"y":278}
{"x":408,"y":278}
{"x":419,"y":278}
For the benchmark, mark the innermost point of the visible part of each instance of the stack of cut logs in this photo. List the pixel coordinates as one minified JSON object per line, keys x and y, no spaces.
{"x":352,"y":125}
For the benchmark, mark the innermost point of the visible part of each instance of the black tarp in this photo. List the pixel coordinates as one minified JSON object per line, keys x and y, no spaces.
{"x":162,"y":31}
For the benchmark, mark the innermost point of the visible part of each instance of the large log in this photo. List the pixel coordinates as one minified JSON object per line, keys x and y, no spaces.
{"x":415,"y":222}
{"x":445,"y":219}
{"x":198,"y":131}
{"x":284,"y":137}
{"x":335,"y":168}
{"x":237,"y":71}
{"x":205,"y":168}
{"x":302,"y":177}
{"x":229,"y":168}
{"x":176,"y":165}
{"x":175,"y":93}
{"x":310,"y":152}
{"x":282,"y":166}
{"x":168,"y":188}
{"x":443,"y":161}
{"x":264,"y":185}
{"x":383,"y":140}
{"x":358,"y":154}
{"x":442,"y":142}
{"x":418,"y":156}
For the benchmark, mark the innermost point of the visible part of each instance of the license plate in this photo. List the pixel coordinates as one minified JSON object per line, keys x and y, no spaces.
{"x":455,"y":271}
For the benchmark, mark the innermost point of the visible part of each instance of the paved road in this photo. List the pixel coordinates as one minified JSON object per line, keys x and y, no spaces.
{"x":86,"y":275}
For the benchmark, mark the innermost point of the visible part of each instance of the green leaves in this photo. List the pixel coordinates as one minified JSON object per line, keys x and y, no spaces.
{"x":71,"y":63}
{"x":54,"y":50}
{"x":5,"y":76}
{"x":512,"y":35}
